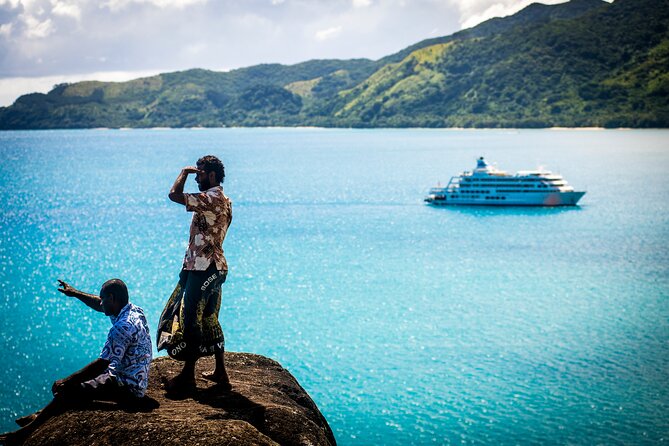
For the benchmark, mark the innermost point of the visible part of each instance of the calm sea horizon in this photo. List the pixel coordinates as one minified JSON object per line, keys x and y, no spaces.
{"x":406,"y":323}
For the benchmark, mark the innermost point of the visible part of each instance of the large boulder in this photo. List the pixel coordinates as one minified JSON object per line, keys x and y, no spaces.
{"x":267,"y":406}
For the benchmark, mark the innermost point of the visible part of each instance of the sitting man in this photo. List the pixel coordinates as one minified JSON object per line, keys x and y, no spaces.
{"x":120,"y":374}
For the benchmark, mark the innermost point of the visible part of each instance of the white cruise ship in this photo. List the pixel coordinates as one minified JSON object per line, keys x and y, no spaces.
{"x":488,"y":186}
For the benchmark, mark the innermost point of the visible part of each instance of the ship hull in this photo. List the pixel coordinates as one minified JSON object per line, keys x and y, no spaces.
{"x":509,"y":199}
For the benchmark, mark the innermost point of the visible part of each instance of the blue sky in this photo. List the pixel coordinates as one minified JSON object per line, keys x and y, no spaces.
{"x":45,"y":42}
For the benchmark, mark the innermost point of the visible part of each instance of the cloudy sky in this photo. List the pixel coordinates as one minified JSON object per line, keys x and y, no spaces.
{"x":45,"y":42}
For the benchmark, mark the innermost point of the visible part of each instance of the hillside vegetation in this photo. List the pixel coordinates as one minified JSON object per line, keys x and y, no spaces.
{"x":578,"y":64}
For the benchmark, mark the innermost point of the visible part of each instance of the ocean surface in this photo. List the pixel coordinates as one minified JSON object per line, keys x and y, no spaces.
{"x":407,"y":324}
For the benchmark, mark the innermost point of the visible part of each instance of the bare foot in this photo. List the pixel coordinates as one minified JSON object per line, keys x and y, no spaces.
{"x":221,"y":380}
{"x":179,"y":384}
{"x":26,"y":420}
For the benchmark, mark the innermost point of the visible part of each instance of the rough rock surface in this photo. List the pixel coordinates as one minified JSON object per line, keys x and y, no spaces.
{"x":266,"y":406}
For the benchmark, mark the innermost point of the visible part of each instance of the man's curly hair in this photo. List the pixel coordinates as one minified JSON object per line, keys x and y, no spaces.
{"x":210,"y":163}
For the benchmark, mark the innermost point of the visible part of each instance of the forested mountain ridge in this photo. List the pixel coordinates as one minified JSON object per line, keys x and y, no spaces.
{"x":578,"y":64}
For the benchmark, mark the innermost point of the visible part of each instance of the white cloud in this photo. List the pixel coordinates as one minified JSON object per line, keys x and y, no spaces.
{"x":36,"y":29}
{"x":38,"y":39}
{"x":177,"y":4}
{"x":329,"y":33}
{"x":117,"y":5}
{"x":29,"y":5}
{"x":196,"y":48}
{"x":361,"y":3}
{"x":6,"y":29}
{"x":62,"y":8}
{"x":11,"y":3}
{"x":473,"y":12}
{"x":494,"y":10}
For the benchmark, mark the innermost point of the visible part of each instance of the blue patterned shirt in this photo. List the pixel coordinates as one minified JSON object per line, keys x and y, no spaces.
{"x":128,"y":349}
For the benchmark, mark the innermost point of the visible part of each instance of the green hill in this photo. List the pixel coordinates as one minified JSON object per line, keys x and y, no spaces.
{"x":578,"y":64}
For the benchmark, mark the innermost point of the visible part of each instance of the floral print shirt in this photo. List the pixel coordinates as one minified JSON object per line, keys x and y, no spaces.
{"x":128,"y":349}
{"x":212,"y":215}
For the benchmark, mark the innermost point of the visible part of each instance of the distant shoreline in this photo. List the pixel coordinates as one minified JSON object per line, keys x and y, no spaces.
{"x":458,"y":129}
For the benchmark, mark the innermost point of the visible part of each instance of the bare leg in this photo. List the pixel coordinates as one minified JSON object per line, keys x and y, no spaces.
{"x":219,"y":375}
{"x":55,"y":407}
{"x":191,"y":319}
{"x":27,"y":419}
{"x":188,"y":372}
{"x":185,"y":380}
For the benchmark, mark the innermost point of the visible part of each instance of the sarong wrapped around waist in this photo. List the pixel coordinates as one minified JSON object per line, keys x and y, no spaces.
{"x":188,"y":327}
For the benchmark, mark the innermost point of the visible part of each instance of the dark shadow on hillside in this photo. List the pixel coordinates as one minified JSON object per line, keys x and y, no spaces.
{"x":235,"y":405}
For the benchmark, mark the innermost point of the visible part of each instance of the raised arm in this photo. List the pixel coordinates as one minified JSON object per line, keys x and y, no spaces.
{"x":177,"y":192}
{"x":91,"y":300}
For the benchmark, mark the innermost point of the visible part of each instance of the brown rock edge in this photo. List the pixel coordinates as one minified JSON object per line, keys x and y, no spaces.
{"x":267,"y":406}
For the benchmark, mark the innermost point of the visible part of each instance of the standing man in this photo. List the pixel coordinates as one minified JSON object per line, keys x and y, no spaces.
{"x":120,"y":374}
{"x":204,"y":271}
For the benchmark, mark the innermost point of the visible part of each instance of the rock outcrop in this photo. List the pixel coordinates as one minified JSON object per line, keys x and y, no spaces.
{"x":266,"y":406}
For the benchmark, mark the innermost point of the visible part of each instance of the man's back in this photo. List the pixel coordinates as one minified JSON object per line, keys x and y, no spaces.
{"x":128,"y":349}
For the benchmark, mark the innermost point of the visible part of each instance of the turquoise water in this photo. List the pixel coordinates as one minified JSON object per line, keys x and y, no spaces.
{"x":407,"y":324}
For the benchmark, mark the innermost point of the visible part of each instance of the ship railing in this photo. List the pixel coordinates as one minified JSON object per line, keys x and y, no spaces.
{"x":453,"y":183}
